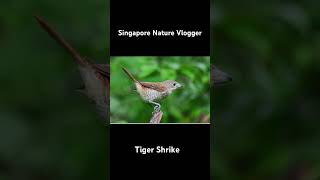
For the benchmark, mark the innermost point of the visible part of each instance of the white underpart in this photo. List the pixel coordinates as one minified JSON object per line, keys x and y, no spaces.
{"x":95,"y":89}
{"x":151,"y":94}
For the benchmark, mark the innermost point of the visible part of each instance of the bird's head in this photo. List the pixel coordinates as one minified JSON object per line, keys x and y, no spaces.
{"x":172,"y":85}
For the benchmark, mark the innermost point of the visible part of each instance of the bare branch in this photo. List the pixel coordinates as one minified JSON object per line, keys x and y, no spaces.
{"x":156,"y":117}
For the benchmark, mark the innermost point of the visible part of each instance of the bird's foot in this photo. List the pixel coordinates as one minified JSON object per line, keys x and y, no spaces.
{"x":156,"y":109}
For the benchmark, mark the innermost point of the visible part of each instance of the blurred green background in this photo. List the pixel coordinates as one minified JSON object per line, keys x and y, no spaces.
{"x":47,"y":130}
{"x":266,"y":123}
{"x":190,"y":104}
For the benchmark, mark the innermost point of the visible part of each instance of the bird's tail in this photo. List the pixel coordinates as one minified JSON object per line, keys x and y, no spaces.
{"x":76,"y":56}
{"x":130,"y":75}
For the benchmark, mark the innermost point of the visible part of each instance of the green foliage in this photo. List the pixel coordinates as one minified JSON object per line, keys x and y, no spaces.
{"x":267,"y":120}
{"x":185,"y":105}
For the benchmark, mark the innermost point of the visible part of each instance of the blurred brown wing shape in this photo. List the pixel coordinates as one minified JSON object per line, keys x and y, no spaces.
{"x":103,"y":69}
{"x":155,"y":86}
{"x":95,"y":77}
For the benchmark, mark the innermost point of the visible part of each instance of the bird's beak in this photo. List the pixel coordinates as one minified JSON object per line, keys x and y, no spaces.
{"x":220,"y":77}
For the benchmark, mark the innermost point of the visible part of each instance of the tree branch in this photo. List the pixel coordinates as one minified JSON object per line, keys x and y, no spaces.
{"x":156,"y":117}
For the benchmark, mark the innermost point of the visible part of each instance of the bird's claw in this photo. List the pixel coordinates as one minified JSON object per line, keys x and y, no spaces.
{"x":156,"y":109}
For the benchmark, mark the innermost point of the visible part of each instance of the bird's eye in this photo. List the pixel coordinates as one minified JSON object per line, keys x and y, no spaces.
{"x":174,"y":84}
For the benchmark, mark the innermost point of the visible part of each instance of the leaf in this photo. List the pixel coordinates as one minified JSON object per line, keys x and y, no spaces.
{"x":146,"y":70}
{"x":188,"y":73}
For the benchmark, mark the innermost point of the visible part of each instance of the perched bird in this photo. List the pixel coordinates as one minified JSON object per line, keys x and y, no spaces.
{"x":153,"y":91}
{"x":96,"y":77}
{"x":219,"y":77}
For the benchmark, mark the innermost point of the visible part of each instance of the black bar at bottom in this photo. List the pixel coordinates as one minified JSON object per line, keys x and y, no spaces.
{"x":131,"y":158}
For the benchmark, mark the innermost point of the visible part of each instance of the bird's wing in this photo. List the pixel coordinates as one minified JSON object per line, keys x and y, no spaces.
{"x":103,"y":69}
{"x":156,"y":86}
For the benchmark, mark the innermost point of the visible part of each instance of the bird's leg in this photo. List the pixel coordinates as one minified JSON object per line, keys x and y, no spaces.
{"x":156,"y":107}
